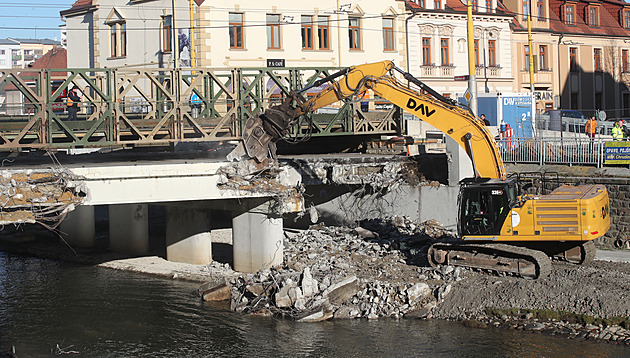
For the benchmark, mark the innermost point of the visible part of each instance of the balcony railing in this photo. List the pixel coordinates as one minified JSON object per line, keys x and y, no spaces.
{"x":428,"y":70}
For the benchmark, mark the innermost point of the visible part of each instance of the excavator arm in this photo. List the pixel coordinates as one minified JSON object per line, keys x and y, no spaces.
{"x":469,"y":132}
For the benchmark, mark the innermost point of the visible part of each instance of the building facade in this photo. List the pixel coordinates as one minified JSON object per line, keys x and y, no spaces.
{"x":438,"y":46}
{"x":20,"y":53}
{"x":578,"y":49}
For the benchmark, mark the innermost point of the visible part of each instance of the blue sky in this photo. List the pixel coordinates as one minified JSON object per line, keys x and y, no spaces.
{"x":31,"y":18}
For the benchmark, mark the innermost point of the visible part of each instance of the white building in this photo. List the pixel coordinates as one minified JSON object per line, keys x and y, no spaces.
{"x":438,"y":47}
{"x":122,"y":33}
{"x":8,"y":48}
{"x":117,"y":33}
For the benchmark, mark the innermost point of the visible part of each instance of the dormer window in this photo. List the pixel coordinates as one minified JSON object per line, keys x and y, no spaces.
{"x":626,"y":18}
{"x":569,"y":14}
{"x":437,"y":4}
{"x":593,"y":15}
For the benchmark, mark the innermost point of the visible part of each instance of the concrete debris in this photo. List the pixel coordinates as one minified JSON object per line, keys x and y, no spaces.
{"x":283,"y":183}
{"x":347,"y":273}
{"x":44,"y":196}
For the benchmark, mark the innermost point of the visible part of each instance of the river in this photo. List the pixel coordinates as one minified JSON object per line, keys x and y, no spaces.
{"x":48,"y":308}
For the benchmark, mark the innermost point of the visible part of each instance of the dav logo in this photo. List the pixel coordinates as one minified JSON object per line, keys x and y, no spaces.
{"x":414,"y":106}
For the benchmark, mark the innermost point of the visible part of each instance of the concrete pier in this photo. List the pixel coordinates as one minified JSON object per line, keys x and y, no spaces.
{"x":257,"y":241}
{"x":78,"y":227}
{"x":188,"y":235}
{"x":129,"y":228}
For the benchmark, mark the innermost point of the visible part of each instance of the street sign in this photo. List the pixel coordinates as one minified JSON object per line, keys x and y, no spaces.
{"x":279,"y":62}
{"x":467,"y":95}
{"x":461,"y":78}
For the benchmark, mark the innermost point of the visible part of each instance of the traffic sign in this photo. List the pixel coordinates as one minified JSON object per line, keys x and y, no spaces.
{"x":468,"y":95}
{"x":461,"y":78}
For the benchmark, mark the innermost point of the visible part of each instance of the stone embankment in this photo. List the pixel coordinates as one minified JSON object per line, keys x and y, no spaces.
{"x":379,"y":270}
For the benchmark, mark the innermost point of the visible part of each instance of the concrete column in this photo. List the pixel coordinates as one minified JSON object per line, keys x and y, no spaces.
{"x":188,"y":235}
{"x":129,"y":228}
{"x":459,"y":164}
{"x":257,"y":241}
{"x":78,"y":227}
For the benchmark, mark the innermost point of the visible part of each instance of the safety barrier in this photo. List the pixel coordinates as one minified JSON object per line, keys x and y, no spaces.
{"x":578,"y":151}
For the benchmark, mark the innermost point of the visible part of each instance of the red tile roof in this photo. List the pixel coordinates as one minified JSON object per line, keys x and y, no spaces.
{"x":609,"y":18}
{"x":78,"y":7}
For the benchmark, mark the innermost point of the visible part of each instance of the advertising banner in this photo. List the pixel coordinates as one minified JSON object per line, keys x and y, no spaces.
{"x":617,"y":152}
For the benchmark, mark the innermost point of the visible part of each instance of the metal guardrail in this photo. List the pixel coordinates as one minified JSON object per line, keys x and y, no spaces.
{"x":570,"y":151}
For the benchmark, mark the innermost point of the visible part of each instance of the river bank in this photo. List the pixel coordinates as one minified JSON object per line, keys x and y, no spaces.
{"x":379,"y":270}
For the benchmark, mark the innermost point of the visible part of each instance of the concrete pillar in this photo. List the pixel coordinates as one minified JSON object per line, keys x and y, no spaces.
{"x":188,"y":235}
{"x":257,"y":241}
{"x":459,"y":164}
{"x":78,"y":227}
{"x":129,"y":228}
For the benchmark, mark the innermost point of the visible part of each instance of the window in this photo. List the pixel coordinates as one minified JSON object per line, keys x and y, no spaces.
{"x":573,"y":66}
{"x":540,"y":5}
{"x":569,"y":14}
{"x":118,"y":39}
{"x":488,"y":5}
{"x":354,"y":33}
{"x":624,"y":60}
{"x":475,"y":5}
{"x":236,"y":30}
{"x":492,"y":53}
{"x":597,"y":59}
{"x":526,"y":57}
{"x":542,"y":57}
{"x":388,"y":34}
{"x":444,"y":56}
{"x":167,"y":33}
{"x":525,"y":9}
{"x":593,"y":16}
{"x":437,"y":4}
{"x":1,"y":52}
{"x":273,"y":31}
{"x":476,"y":52}
{"x":422,"y":3}
{"x":626,"y":19}
{"x":426,"y":51}
{"x":322,"y":33}
{"x":307,"y":32}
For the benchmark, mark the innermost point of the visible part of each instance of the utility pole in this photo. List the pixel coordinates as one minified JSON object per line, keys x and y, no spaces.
{"x":530,"y":46}
{"x":175,"y":42}
{"x":193,"y":59}
{"x":472,"y":78}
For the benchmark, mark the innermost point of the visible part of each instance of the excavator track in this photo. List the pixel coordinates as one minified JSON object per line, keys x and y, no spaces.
{"x":582,"y":254}
{"x":500,"y":258}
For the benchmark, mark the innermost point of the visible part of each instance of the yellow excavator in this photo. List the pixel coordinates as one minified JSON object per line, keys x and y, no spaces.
{"x":500,"y":228}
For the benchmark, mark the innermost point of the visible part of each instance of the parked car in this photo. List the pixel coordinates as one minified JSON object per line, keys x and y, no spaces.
{"x":570,"y":113}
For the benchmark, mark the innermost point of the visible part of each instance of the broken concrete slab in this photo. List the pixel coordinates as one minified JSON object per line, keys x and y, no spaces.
{"x":221,"y":292}
{"x":342,"y":291}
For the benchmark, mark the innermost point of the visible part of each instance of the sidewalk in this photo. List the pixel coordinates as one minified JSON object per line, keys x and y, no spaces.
{"x":614,"y":256}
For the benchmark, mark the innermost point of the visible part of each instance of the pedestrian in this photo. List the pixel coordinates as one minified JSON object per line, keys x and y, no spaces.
{"x":591,"y":128}
{"x":485,"y":121}
{"x":617,"y":131}
{"x":72,"y":101}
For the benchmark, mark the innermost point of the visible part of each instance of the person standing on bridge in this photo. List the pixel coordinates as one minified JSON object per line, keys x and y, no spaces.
{"x":73,"y":103}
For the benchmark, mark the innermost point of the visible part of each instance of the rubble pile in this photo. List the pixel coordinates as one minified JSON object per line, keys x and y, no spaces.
{"x":342,"y":272}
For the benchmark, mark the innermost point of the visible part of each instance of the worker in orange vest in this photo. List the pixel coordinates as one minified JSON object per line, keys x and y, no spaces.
{"x":591,"y":128}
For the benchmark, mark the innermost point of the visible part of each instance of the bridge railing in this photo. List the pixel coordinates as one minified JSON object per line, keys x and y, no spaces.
{"x":154,"y":106}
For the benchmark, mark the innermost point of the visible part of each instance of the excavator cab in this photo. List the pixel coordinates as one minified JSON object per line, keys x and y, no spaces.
{"x":484,"y":205}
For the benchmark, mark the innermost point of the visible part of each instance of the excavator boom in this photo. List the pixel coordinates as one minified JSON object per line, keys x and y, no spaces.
{"x":467,"y":130}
